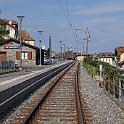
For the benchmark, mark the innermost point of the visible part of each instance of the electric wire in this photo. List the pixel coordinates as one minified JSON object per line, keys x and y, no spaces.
{"x":67,"y":16}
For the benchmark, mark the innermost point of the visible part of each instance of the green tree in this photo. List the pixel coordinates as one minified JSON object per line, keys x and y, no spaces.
{"x":3,"y":30}
{"x":107,"y":68}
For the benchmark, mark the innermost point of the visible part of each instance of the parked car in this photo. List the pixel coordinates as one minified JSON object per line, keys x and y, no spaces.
{"x":48,"y":61}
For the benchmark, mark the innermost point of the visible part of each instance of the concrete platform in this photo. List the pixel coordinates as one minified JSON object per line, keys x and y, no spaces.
{"x":13,"y":78}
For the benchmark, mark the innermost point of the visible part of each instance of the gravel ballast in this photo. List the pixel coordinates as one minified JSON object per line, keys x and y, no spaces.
{"x":103,"y":109}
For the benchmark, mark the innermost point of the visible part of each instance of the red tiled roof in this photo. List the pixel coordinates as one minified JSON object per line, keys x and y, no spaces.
{"x":25,"y":36}
{"x":119,"y":50}
{"x":121,"y":62}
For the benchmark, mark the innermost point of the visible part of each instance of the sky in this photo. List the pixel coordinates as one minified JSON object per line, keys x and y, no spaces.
{"x":60,"y":18}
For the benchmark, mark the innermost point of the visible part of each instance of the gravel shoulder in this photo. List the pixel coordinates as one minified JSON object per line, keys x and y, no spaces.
{"x":103,"y":109}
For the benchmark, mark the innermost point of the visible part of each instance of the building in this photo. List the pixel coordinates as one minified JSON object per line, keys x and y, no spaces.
{"x":26,"y":37}
{"x":10,"y":50}
{"x":119,"y":50}
{"x":10,"y":45}
{"x":8,"y":29}
{"x":107,"y":57}
{"x":119,"y":53}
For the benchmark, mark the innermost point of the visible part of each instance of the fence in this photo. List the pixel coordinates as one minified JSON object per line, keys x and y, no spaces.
{"x":6,"y":66}
{"x":114,"y":87}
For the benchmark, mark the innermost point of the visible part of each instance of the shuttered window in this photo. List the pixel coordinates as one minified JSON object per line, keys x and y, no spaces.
{"x":24,"y":55}
{"x":3,"y":56}
{"x":30,"y":55}
{"x":17,"y":55}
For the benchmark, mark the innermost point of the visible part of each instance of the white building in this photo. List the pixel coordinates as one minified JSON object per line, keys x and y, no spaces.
{"x":12,"y":27}
{"x":107,"y":57}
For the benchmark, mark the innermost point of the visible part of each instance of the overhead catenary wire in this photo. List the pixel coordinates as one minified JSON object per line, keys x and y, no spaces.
{"x":67,"y":9}
{"x":67,"y":16}
{"x":68,"y":20}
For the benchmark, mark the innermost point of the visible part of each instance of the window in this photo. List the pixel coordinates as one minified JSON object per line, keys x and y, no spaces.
{"x":24,"y":55}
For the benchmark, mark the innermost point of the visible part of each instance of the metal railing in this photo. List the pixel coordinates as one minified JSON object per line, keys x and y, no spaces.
{"x":6,"y":66}
{"x":114,"y":87}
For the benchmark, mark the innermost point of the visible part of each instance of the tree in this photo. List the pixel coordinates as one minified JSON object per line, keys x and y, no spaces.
{"x":106,"y":67}
{"x":3,"y":30}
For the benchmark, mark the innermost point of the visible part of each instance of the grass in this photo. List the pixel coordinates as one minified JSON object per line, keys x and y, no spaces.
{"x":92,"y":70}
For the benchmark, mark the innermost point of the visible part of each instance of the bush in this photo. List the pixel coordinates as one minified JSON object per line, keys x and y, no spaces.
{"x":93,"y":67}
{"x":92,"y":70}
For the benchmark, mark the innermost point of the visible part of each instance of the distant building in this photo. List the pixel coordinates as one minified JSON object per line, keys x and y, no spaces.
{"x":26,"y":37}
{"x":80,"y":56}
{"x":69,"y":55}
{"x":107,"y":57}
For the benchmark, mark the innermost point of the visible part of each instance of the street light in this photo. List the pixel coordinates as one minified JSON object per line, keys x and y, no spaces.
{"x":40,"y":33}
{"x":20,"y":21}
{"x":60,"y":48}
{"x":64,"y":50}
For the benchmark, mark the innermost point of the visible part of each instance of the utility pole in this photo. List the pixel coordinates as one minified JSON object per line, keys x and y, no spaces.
{"x":64,"y":50}
{"x":60,"y":49}
{"x":49,"y":46}
{"x":40,"y":33}
{"x":20,"y":21}
{"x":87,"y":38}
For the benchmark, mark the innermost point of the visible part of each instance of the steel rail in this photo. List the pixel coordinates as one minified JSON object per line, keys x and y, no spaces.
{"x":28,"y":87}
{"x":78,"y":101}
{"x":29,"y":117}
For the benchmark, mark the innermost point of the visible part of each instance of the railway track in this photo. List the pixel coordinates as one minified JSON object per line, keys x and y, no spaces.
{"x":58,"y":103}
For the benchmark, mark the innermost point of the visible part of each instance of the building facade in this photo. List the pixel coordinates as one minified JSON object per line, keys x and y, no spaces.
{"x":119,"y":53}
{"x":10,"y":50}
{"x":107,"y":57}
{"x":26,"y":37}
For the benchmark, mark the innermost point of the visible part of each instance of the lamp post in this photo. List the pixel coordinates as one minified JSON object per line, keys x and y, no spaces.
{"x":40,"y":33}
{"x":60,"y":49}
{"x":20,"y":21}
{"x":64,"y":50}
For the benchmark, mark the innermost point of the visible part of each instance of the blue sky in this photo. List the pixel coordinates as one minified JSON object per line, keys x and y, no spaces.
{"x":104,"y":18}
